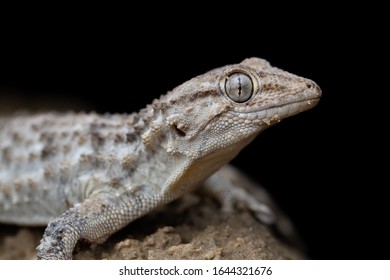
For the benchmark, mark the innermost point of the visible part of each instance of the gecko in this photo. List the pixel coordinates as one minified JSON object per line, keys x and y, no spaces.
{"x":86,"y":175}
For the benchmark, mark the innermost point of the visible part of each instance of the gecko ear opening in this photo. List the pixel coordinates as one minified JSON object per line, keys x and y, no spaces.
{"x":179,"y":132}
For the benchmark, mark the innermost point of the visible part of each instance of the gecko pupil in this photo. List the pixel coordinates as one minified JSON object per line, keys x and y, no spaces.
{"x":239,"y":87}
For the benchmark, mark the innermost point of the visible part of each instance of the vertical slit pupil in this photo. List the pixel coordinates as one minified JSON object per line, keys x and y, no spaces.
{"x":239,"y":85}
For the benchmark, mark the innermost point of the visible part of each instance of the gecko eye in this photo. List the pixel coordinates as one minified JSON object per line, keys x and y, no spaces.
{"x":239,"y":87}
{"x":238,"y":84}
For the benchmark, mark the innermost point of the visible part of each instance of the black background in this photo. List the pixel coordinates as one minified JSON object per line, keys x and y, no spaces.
{"x":324,"y":167}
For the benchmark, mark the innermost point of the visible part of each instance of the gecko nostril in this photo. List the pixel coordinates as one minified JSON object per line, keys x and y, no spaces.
{"x":308,"y":85}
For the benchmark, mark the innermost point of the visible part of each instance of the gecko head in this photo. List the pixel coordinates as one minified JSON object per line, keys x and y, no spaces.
{"x":220,"y":112}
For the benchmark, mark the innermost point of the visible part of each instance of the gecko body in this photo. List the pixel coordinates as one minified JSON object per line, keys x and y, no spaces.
{"x":87,"y":175}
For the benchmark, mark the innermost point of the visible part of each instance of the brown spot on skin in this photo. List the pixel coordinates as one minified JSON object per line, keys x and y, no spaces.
{"x":35,"y":127}
{"x":135,"y":119}
{"x":16,"y":137}
{"x":201,"y":94}
{"x":48,"y":171}
{"x":115,"y":183}
{"x":139,"y":126}
{"x":7,"y":154}
{"x":47,"y":137}
{"x":95,"y":127}
{"x":130,"y":137}
{"x":90,"y":161}
{"x":119,"y":138}
{"x":18,"y":185}
{"x":84,"y":158}
{"x":7,"y":191}
{"x":64,"y":134}
{"x":66,"y":149}
{"x":163,"y":137}
{"x":82,"y":140}
{"x":64,"y":172}
{"x":97,"y":140}
{"x":49,"y":151}
{"x":86,"y":161}
{"x":47,"y":122}
{"x":99,"y":160}
{"x":32,"y":184}
{"x":32,"y":156}
{"x":271,"y":87}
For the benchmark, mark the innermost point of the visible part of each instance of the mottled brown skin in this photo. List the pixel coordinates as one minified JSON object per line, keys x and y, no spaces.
{"x":89,"y":175}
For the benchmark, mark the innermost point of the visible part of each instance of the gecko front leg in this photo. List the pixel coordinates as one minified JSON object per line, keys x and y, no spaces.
{"x":232,"y":189}
{"x":94,"y":220}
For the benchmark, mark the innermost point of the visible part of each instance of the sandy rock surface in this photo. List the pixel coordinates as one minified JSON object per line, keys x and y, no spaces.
{"x":189,"y":228}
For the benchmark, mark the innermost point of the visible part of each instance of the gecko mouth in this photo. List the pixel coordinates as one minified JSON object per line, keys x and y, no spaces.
{"x":278,"y":112}
{"x":296,"y":107}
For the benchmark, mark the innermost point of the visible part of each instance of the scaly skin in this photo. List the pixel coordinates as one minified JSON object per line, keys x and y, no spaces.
{"x":90,"y":175}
